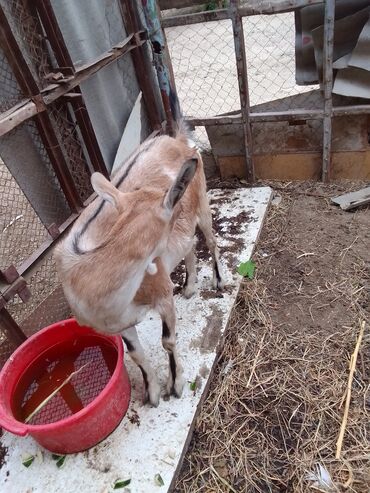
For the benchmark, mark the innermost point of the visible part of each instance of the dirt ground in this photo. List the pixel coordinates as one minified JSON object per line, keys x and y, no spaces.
{"x":275,"y":405}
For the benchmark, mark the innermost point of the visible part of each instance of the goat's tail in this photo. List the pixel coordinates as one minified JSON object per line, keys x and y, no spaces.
{"x":182,"y":131}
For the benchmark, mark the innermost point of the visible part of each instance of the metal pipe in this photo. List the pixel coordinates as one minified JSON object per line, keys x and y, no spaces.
{"x":328,"y":87}
{"x":241,"y":65}
{"x":161,"y":58}
{"x":142,"y":64}
{"x":64,"y":59}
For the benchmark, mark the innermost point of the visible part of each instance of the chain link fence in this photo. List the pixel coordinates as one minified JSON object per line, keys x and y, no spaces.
{"x":203,"y":57}
{"x":46,"y":161}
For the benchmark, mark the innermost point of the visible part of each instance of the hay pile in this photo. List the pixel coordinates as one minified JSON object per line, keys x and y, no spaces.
{"x":276,"y":402}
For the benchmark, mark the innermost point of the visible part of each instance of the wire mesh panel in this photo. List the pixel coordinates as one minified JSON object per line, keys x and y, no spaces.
{"x":21,"y":230}
{"x":67,"y":131}
{"x":42,"y":282}
{"x":203,"y":59}
{"x":270,"y":48}
{"x":10,"y":93}
{"x":27,"y":30}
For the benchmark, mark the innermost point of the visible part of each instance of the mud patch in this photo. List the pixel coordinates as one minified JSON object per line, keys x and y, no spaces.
{"x":211,"y":333}
{"x":3,"y":453}
{"x":134,"y":417}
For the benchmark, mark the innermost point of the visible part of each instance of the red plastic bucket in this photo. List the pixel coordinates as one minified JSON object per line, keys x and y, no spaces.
{"x":86,"y":427}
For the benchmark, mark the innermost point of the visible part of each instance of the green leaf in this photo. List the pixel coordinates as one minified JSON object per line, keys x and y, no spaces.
{"x":121,"y":483}
{"x":27,"y":461}
{"x":246,"y":269}
{"x":60,"y":459}
{"x":193,"y":386}
{"x":158,"y":480}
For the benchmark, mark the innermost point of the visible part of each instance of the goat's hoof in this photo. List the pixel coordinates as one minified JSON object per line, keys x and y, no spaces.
{"x":188,"y":291}
{"x":218,"y":284}
{"x":150,"y":401}
{"x":178,"y":387}
{"x":152,"y":395}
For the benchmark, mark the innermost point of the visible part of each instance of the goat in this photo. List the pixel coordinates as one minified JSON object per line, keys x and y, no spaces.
{"x":116,"y":261}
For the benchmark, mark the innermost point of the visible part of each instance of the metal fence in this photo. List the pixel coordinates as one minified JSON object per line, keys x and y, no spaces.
{"x":61,"y":120}
{"x":54,"y":134}
{"x":237,"y":65}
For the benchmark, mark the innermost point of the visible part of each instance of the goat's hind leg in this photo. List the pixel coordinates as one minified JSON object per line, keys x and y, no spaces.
{"x":205,"y":224}
{"x":191,"y":273}
{"x":175,"y":381}
{"x":136,"y":352}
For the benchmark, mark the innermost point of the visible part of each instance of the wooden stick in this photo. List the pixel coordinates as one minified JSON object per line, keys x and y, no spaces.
{"x":49,"y":397}
{"x":349,"y":389}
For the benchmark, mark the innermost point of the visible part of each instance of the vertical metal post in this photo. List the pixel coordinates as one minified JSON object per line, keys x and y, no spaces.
{"x":328,"y":87}
{"x":63,"y":58}
{"x":142,"y":64}
{"x":161,"y":58}
{"x":241,"y":65}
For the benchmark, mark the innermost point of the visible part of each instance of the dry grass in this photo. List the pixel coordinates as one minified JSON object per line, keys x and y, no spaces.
{"x":276,"y":403}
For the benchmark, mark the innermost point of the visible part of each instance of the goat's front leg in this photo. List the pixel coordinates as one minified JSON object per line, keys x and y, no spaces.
{"x":175,"y":381}
{"x":136,"y":352}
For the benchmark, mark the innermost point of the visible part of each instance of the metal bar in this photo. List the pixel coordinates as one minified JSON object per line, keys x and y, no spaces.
{"x":241,"y":65}
{"x":16,"y":60}
{"x":29,"y":86}
{"x":279,"y":116}
{"x":142,"y":64}
{"x":53,"y":33}
{"x":11,"y":328}
{"x":64,"y":59}
{"x":161,"y":58}
{"x":28,"y":108}
{"x":265,"y":8}
{"x":356,"y":109}
{"x":328,"y":86}
{"x":178,"y":4}
{"x":268,"y":7}
{"x":198,"y":17}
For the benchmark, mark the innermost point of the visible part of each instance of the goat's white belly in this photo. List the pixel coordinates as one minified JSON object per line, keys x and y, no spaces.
{"x":110,"y":317}
{"x":176,"y":251}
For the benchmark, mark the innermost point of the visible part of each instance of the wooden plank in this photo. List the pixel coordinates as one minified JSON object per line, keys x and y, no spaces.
{"x":354,"y":199}
{"x":299,"y":166}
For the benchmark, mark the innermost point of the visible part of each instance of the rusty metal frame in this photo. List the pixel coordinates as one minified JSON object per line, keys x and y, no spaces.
{"x":161,"y":58}
{"x":142,"y":63}
{"x":246,"y":117}
{"x":63,"y":58}
{"x":266,"y":7}
{"x":328,"y":86}
{"x":29,"y":86}
{"x":29,"y":107}
{"x":65,"y":90}
{"x":241,"y":66}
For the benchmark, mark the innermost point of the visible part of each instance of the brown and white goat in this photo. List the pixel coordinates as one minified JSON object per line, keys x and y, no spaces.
{"x":115,"y":263}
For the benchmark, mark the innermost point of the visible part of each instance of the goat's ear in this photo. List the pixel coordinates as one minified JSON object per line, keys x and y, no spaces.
{"x":105,"y":189}
{"x":181,"y":183}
